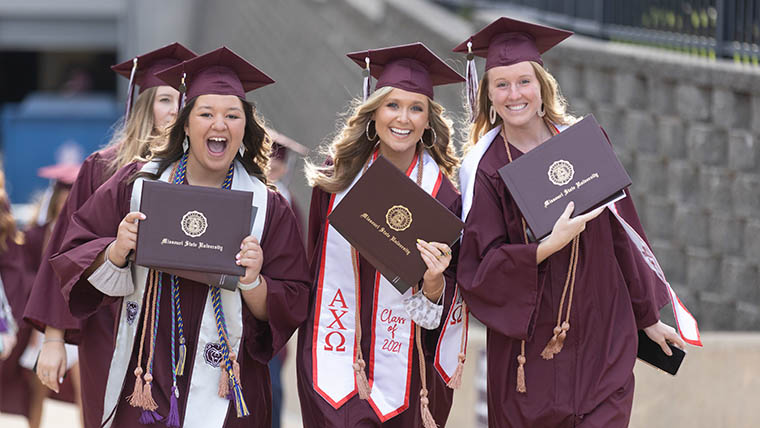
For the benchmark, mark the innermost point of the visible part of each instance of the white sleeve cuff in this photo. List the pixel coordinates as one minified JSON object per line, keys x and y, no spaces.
{"x":423,"y":312}
{"x":112,"y":280}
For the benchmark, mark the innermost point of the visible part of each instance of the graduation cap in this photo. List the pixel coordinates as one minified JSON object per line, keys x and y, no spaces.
{"x":411,"y":67}
{"x":141,"y":70}
{"x":220,"y":72}
{"x":506,"y":41}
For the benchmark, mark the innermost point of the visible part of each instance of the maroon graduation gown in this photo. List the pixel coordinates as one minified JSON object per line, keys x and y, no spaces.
{"x":14,"y":386}
{"x":590,"y":381}
{"x":46,"y":305}
{"x":315,"y":411}
{"x":285,"y":269}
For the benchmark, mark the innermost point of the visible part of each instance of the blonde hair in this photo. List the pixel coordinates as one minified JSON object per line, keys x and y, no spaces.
{"x":7,"y":223}
{"x":555,"y":105}
{"x":137,"y":133}
{"x":350,"y":149}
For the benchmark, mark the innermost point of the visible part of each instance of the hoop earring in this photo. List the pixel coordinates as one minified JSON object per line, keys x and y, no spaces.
{"x":422,"y":141}
{"x":432,"y":141}
{"x":492,"y":115}
{"x":366,"y":131}
{"x":542,"y":112}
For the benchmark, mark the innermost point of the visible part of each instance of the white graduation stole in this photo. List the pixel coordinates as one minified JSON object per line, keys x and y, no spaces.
{"x":204,"y":406}
{"x":333,"y":343}
{"x":685,"y":321}
{"x":453,"y":339}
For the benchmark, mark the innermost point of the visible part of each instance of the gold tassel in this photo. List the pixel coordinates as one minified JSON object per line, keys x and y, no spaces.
{"x":427,"y":417}
{"x":181,"y":357}
{"x":150,"y":403}
{"x":136,"y":399}
{"x":362,"y":384}
{"x":551,"y":348}
{"x":224,"y":382}
{"x":521,"y":385}
{"x":236,"y":369}
{"x":521,"y":374}
{"x":456,"y":379}
{"x":562,"y":336}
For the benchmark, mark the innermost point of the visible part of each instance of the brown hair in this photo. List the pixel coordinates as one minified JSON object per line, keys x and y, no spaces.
{"x":7,"y":223}
{"x":350,"y":149}
{"x":555,"y":105}
{"x":256,"y":141}
{"x":136,"y":135}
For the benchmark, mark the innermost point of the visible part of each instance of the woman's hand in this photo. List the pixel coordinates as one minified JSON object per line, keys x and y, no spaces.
{"x":564,"y":230}
{"x":662,"y":333}
{"x":251,"y":257}
{"x":51,"y":364}
{"x":437,"y":257}
{"x":9,"y":342}
{"x":126,"y":239}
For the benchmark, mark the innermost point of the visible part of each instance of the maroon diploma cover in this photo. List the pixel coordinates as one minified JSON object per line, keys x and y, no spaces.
{"x":384,"y":214}
{"x":193,"y":231}
{"x":576,"y":165}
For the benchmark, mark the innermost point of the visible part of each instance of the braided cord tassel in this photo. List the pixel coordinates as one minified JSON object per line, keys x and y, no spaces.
{"x":216,"y":300}
{"x":221,"y":327}
{"x":179,"y":365}
{"x":149,"y":414}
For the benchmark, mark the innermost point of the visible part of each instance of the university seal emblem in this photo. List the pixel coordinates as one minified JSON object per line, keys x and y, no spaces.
{"x":212,"y":354}
{"x":194,"y":224}
{"x":399,"y":218}
{"x":561,"y":172}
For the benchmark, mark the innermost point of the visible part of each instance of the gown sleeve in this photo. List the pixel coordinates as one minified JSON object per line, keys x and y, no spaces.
{"x":500,"y":280}
{"x":647,"y":292}
{"x":627,"y":210}
{"x":286,"y":272}
{"x":92,"y":228}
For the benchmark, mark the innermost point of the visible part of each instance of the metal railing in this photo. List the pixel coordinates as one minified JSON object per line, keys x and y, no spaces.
{"x":707,"y":28}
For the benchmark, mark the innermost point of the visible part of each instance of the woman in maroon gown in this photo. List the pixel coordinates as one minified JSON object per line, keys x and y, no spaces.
{"x":200,"y":358}
{"x":388,"y":378}
{"x":154,"y":109}
{"x":15,"y":388}
{"x":562,"y":314}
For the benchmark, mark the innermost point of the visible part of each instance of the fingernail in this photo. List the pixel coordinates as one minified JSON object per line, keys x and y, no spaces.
{"x":237,"y":262}
{"x":237,"y":256}
{"x":419,"y":240}
{"x":60,"y":380}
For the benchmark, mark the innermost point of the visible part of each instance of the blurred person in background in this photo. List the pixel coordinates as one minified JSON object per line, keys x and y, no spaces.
{"x":143,"y":127}
{"x":8,"y":326}
{"x":15,"y":386}
{"x":20,"y":391}
{"x":280,"y":174}
{"x":337,"y":348}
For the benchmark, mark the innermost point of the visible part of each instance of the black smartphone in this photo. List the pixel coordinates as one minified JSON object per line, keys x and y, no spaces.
{"x":650,"y":352}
